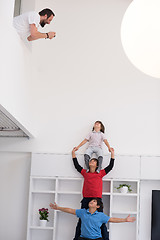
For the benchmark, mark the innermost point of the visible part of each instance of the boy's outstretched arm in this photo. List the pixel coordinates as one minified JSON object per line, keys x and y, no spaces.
{"x":111,"y":164}
{"x":75,"y":162}
{"x":121,"y":220}
{"x":63,"y":209}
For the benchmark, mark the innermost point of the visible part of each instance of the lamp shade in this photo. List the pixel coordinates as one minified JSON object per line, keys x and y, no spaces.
{"x":140,"y":35}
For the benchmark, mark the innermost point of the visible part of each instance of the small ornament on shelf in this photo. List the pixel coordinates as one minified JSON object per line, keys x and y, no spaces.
{"x":124,"y":188}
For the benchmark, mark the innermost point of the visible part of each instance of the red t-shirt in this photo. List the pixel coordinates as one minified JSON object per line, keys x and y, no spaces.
{"x":92,"y":186}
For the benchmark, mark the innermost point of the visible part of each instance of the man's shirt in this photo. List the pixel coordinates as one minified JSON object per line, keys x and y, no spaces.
{"x":23,"y":21}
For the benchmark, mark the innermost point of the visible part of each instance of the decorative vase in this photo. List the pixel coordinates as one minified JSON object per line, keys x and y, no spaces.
{"x":43,"y":223}
{"x":124,"y":189}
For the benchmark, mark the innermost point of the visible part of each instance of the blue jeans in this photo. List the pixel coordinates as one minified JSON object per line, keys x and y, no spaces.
{"x":84,"y":204}
{"x":97,"y":150}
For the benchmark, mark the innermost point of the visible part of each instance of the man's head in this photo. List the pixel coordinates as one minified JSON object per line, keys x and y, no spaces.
{"x":96,"y":203}
{"x":46,"y":16}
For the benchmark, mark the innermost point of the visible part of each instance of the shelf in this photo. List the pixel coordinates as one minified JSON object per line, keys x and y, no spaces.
{"x":46,"y":192}
{"x":67,"y":192}
{"x":125,"y":194}
{"x":125,"y":212}
{"x":60,"y":192}
{"x":70,"y":179}
{"x":69,"y":185}
{"x":43,"y":184}
{"x":106,"y":193}
{"x":45,"y":178}
{"x":41,"y":228}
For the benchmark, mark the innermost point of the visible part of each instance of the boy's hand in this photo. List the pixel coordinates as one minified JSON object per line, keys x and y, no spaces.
{"x":53,"y":206}
{"x":74,"y":149}
{"x":73,"y":152}
{"x":130,"y":219}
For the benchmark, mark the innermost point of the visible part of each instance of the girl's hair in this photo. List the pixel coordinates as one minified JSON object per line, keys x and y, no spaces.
{"x":102,"y":126}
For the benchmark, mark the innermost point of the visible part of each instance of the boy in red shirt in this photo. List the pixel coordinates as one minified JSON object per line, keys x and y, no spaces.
{"x":92,"y":187}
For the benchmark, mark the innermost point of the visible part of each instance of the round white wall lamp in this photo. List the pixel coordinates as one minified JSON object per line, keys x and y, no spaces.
{"x":140,"y":35}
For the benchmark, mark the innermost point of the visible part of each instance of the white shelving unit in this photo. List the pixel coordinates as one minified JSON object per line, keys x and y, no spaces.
{"x":121,"y":206}
{"x":67,"y":192}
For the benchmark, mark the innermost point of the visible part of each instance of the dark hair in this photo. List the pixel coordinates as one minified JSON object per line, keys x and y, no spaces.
{"x":102,"y":126}
{"x":95,"y":160}
{"x":99,"y":203}
{"x":46,"y":11}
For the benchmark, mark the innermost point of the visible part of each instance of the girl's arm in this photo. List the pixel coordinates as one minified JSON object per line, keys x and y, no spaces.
{"x":121,"y":220}
{"x":107,"y":144}
{"x":81,"y":144}
{"x":62,"y":209}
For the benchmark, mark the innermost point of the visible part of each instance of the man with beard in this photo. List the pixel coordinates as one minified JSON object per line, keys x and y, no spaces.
{"x":27,"y":24}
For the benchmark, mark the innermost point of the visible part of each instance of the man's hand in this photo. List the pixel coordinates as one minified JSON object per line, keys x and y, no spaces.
{"x":51,"y":35}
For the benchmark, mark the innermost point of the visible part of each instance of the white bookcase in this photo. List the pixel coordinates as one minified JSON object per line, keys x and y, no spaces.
{"x":121,"y":205}
{"x":67,"y":192}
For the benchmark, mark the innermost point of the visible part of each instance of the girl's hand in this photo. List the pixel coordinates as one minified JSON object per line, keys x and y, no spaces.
{"x":111,"y":150}
{"x":53,"y":206}
{"x":76,"y":149}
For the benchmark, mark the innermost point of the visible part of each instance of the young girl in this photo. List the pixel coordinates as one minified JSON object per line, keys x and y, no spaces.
{"x":95,"y":139}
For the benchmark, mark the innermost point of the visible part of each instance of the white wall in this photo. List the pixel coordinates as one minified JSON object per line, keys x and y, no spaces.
{"x":14,"y":185}
{"x":15,"y":74}
{"x":83,"y":75}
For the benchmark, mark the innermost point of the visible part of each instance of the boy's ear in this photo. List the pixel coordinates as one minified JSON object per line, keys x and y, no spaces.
{"x":98,"y":206}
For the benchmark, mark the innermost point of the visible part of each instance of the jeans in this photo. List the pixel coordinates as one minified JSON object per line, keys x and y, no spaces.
{"x":81,"y":238}
{"x":88,"y":154}
{"x":105,"y":234}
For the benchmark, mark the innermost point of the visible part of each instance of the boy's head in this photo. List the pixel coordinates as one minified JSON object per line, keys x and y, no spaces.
{"x":93,"y":163}
{"x":98,"y":125}
{"x":96,"y":203}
